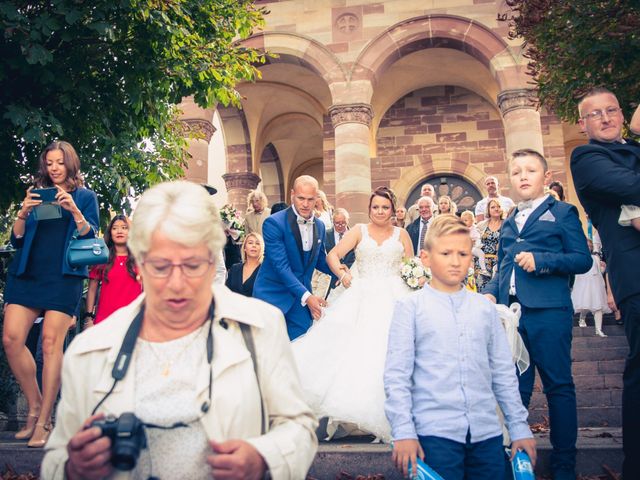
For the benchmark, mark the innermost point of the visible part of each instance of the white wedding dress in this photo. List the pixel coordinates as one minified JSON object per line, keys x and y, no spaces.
{"x":341,"y":358}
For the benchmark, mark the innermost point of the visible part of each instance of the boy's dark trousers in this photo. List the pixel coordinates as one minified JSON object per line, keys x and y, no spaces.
{"x":547,"y":334}
{"x":484,"y":460}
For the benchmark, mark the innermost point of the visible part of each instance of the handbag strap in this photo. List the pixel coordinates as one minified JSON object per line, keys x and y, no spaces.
{"x":247,"y":335}
{"x":76,"y":232}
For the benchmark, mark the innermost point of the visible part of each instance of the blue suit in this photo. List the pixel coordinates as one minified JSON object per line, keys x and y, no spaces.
{"x":285,"y":274}
{"x":606,"y":176}
{"x":554,"y":235}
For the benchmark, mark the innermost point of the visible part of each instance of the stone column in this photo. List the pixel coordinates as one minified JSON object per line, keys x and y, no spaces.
{"x":239,"y":184}
{"x":522,"y":127}
{"x":352,"y":162}
{"x":200,"y":132}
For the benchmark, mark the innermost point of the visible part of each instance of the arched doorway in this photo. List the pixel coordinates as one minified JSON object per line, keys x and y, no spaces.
{"x":463,"y":193}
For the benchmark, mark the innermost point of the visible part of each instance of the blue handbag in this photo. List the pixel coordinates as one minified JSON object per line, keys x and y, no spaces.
{"x":86,"y":251}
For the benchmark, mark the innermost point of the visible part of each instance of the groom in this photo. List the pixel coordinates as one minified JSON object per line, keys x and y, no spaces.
{"x":294,"y":247}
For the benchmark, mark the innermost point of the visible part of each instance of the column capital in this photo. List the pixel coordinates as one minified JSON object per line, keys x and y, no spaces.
{"x":517,"y":98}
{"x":199,"y":125}
{"x":351,"y":113}
{"x":247,"y":180}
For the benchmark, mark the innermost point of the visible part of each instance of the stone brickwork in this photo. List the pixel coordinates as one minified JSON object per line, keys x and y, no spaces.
{"x":443,"y":130}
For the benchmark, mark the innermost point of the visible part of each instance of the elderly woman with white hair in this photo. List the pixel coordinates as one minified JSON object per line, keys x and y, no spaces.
{"x":206,"y":375}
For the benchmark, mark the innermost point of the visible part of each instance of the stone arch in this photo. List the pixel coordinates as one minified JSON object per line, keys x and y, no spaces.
{"x":296,"y":48}
{"x":440,"y":31}
{"x":271,"y":174}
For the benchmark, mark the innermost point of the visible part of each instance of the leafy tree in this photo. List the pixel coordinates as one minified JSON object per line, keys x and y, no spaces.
{"x":574,"y":46}
{"x":106,"y":75}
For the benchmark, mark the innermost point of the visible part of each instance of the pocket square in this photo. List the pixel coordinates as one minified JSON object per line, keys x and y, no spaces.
{"x":547,"y":217}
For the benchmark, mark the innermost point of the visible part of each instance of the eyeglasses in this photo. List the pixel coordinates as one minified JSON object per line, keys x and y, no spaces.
{"x":598,"y":114}
{"x":162,"y":269}
{"x":340,"y":224}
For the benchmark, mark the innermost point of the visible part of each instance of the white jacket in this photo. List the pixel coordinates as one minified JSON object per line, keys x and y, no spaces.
{"x":288,"y":447}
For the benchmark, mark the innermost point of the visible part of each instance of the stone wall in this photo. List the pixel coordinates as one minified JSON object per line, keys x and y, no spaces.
{"x":440,"y":125}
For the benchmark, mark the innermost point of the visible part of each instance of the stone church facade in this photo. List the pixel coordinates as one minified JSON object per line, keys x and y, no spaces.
{"x":365,"y":93}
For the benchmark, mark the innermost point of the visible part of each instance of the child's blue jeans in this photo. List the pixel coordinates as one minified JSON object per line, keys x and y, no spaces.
{"x":483,"y":460}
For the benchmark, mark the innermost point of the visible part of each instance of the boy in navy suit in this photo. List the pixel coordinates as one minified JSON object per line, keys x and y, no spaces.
{"x":541,"y":244}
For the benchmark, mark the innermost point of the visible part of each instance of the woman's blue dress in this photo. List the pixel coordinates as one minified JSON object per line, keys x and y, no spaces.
{"x":43,"y":285}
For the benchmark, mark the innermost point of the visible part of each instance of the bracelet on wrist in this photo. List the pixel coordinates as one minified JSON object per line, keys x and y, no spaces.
{"x":82,"y":220}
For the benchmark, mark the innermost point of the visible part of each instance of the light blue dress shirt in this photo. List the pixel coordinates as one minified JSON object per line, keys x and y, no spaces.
{"x":448,"y":363}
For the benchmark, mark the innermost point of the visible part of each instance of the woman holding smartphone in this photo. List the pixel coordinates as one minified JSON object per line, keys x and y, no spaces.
{"x":41,"y":282}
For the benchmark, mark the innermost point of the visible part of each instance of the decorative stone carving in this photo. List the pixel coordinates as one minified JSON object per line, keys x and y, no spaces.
{"x":246,"y":180}
{"x":198,"y":125}
{"x":516,"y":99}
{"x":347,"y":23}
{"x":351,"y":113}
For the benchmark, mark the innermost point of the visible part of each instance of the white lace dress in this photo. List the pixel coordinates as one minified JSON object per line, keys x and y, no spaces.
{"x":341,"y":358}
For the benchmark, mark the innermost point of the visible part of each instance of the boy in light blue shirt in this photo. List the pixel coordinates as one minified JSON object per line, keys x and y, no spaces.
{"x":448,"y":366}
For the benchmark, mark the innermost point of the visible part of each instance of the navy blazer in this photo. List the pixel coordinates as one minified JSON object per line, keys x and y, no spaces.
{"x":283,"y":277}
{"x":607,"y":176}
{"x":413,"y":229}
{"x":553,"y":233}
{"x":87,"y":202}
{"x":349,"y":258}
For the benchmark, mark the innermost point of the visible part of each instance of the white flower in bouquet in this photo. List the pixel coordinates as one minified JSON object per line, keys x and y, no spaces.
{"x":232,"y":221}
{"x":413,"y":273}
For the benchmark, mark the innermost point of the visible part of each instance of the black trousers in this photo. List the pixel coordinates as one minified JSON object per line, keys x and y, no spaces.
{"x":630,"y":310}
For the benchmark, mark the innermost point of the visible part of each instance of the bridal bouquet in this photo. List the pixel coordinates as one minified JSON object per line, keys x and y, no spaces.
{"x":233,"y":225}
{"x":414,"y":274}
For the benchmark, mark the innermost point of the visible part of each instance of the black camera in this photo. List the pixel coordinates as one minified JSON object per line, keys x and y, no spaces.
{"x":127,"y":439}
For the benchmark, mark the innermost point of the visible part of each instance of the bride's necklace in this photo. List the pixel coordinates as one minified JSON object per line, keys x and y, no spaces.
{"x":167,"y":363}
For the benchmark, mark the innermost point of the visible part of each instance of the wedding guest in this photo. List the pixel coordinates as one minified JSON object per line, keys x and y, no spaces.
{"x":479,"y":261}
{"x":114,"y":284}
{"x":540,"y":247}
{"x":202,"y":357}
{"x":401,"y":216}
{"x":493,"y":187}
{"x":489,"y":239}
{"x":418,"y":228}
{"x":243,"y":275}
{"x":276,"y":207}
{"x":557,"y":187}
{"x":442,"y":385}
{"x":413,"y":212}
{"x":333,"y":237}
{"x":589,"y":293}
{"x":257,"y":211}
{"x":323,"y":209}
{"x":41,"y":280}
{"x":446,"y":205}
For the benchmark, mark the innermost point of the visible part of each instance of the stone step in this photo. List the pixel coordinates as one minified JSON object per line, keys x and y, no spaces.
{"x":597,"y":367}
{"x":609,"y":416}
{"x":595,"y":448}
{"x":603,"y":352}
{"x":596,"y":382}
{"x":611,"y":330}
{"x":586,"y":398}
{"x":592,"y":341}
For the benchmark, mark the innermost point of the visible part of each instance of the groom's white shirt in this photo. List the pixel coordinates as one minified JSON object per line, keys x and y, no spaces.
{"x":306,"y":233}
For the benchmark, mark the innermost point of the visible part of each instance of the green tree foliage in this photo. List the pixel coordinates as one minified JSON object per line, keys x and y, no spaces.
{"x":574,"y":46}
{"x":106,"y":75}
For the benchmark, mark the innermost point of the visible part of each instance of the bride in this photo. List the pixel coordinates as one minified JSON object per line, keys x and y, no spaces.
{"x":341,"y":358}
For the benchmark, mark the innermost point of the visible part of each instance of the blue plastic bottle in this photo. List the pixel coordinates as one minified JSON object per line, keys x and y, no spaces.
{"x":522,"y":466}
{"x":425,"y":472}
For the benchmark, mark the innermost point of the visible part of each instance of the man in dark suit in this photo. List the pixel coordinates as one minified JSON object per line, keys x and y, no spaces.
{"x":418,"y":228}
{"x":541,"y":244}
{"x":334,"y":235}
{"x":606,"y":174}
{"x":294,"y":247}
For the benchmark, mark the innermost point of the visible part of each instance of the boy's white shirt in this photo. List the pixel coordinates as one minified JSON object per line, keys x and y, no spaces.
{"x":520,"y":219}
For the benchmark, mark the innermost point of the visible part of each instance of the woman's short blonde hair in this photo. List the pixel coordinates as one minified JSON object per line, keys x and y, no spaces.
{"x":260,"y":240}
{"x":183,"y":212}
{"x":491,"y":202}
{"x":253,"y":194}
{"x":325,"y":202}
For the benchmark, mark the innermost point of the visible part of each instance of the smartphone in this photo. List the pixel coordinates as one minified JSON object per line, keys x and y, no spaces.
{"x":47,"y":195}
